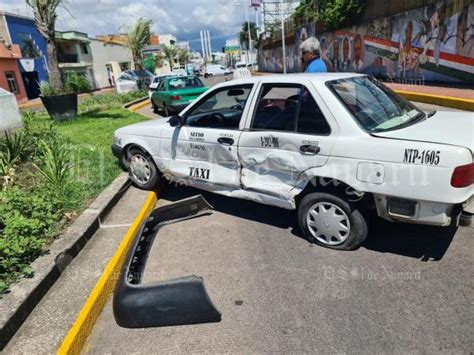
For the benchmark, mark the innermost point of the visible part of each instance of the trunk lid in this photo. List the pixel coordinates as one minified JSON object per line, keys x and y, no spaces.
{"x":444,"y":127}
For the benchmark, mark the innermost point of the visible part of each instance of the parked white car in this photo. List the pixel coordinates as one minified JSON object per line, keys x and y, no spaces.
{"x":216,"y":70}
{"x":129,"y":79}
{"x":333,"y":146}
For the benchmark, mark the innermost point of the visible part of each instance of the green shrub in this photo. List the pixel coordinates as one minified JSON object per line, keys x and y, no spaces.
{"x":77,"y":83}
{"x":54,"y":163}
{"x":13,"y":149}
{"x":28,"y":219}
{"x":48,"y":89}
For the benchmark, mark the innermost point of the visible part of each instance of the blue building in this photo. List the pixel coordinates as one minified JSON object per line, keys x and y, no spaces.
{"x":21,"y":30}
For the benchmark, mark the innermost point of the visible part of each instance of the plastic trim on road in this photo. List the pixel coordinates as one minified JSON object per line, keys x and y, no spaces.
{"x":172,"y":302}
{"x":80,"y":330}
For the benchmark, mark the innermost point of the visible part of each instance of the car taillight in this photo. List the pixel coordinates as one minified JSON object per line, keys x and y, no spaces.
{"x":463,"y":176}
{"x":175,"y":97}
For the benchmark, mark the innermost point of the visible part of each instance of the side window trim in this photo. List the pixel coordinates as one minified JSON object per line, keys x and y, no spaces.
{"x":259,"y":97}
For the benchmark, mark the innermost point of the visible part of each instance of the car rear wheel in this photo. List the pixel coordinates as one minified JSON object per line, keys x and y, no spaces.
{"x":142,"y":169}
{"x":166,"y":109}
{"x":332,"y":222}
{"x":155,"y":108}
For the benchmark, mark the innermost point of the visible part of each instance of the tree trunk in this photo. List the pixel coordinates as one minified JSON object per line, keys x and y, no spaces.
{"x":53,"y":66}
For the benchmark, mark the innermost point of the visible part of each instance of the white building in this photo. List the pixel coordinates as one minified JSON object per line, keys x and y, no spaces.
{"x":109,"y":61}
{"x":167,"y":39}
{"x":183,"y":45}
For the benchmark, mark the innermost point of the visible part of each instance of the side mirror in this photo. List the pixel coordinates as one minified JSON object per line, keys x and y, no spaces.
{"x":176,"y":121}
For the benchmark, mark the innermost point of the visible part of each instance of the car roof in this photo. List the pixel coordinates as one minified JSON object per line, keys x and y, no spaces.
{"x":292,"y":78}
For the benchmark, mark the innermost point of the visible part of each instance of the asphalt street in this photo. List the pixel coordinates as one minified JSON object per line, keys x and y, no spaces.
{"x":409,"y":289}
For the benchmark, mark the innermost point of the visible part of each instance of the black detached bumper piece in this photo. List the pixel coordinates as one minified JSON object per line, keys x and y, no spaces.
{"x":173,"y":302}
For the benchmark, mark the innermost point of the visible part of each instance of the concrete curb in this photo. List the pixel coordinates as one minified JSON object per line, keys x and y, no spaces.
{"x":137,"y":104}
{"x":80,"y":330}
{"x":25,"y":295}
{"x":447,"y":101}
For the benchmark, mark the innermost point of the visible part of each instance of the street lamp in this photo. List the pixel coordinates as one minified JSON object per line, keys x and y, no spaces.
{"x":249,"y":50}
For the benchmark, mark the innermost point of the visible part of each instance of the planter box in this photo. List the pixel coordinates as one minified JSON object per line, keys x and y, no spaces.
{"x":61,"y":107}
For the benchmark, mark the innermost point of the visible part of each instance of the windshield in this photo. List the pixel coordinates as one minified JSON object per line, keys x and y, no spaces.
{"x":375,"y":107}
{"x":141,"y":73}
{"x":184,"y":83}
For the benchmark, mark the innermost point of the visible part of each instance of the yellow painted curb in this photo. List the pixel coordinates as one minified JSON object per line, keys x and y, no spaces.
{"x":140,"y":105}
{"x":447,"y":101}
{"x":80,"y":330}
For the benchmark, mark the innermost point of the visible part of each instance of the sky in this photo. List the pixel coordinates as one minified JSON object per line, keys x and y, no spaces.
{"x":182,"y":18}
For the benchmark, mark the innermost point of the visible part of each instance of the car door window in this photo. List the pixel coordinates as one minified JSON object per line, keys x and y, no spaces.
{"x":223,"y":108}
{"x":161,"y":86}
{"x":310,"y":118}
{"x":289,"y":108}
{"x":277,"y":108}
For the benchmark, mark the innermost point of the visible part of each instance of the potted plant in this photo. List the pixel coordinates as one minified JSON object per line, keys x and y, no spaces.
{"x":61,"y":104}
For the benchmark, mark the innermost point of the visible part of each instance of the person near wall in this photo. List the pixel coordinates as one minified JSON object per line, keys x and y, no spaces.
{"x":311,"y":56}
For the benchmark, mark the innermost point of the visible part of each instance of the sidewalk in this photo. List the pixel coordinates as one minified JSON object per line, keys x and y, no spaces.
{"x":466,"y":94}
{"x":36,"y":103}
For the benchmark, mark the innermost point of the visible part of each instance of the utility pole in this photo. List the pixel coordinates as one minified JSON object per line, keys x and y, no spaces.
{"x":249,"y":50}
{"x":283,"y":47}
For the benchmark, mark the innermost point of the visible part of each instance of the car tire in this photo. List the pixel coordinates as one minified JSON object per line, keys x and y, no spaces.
{"x":142,"y":170}
{"x":332,"y":222}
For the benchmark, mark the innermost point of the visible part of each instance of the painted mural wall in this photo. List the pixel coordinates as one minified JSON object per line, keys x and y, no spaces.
{"x":433,"y":43}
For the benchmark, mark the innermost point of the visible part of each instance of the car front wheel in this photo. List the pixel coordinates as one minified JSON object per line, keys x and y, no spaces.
{"x":142,"y":170}
{"x":332,"y":222}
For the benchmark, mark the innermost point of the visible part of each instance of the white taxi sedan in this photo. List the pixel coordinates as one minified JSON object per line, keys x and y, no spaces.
{"x":333,"y":146}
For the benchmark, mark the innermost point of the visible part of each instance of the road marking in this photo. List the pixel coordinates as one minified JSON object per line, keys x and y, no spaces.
{"x":81,"y":328}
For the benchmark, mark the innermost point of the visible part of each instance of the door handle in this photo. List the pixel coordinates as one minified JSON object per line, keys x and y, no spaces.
{"x":225,"y":141}
{"x":310,"y":149}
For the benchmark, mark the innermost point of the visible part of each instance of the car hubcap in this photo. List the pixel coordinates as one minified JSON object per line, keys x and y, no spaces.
{"x":328,"y":223}
{"x":140,"y":169}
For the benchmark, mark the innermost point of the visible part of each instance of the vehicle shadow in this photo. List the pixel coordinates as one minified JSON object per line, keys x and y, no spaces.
{"x":425,"y":243}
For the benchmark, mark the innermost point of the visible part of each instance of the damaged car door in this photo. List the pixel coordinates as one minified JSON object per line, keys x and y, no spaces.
{"x":203,"y":151}
{"x":289,"y":133}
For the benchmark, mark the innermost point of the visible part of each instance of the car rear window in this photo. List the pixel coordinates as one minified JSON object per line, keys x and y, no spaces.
{"x":184,"y":83}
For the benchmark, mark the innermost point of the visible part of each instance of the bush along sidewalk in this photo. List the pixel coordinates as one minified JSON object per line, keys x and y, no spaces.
{"x":49,"y":172}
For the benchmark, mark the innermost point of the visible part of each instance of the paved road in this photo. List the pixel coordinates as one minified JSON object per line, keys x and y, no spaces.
{"x":408,"y":289}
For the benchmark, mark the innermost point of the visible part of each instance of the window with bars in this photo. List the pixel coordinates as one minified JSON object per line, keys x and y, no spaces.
{"x":11,"y":80}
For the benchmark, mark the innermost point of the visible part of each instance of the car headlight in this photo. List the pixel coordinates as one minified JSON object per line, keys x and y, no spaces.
{"x":118,"y":141}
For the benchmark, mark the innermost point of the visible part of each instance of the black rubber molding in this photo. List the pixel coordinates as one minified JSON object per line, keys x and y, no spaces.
{"x":173,"y":302}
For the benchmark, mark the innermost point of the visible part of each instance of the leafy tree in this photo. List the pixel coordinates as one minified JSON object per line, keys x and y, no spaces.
{"x":150,"y":62}
{"x":170,"y":53}
{"x":45,"y":15}
{"x":138,"y":37}
{"x":244,"y":34}
{"x":183,"y":56}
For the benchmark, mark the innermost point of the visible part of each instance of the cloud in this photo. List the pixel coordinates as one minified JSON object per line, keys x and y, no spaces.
{"x":183,"y":18}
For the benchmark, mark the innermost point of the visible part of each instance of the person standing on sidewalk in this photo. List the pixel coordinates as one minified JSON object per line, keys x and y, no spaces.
{"x":311,"y":56}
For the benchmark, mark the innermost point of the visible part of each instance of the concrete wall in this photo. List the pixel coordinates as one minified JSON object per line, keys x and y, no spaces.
{"x":432,"y":43}
{"x":108,"y":54}
{"x":11,"y":118}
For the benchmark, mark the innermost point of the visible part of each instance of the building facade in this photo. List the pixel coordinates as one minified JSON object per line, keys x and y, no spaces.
{"x":10,"y":76}
{"x":109,"y":60}
{"x":75,"y":54}
{"x":33,"y":65}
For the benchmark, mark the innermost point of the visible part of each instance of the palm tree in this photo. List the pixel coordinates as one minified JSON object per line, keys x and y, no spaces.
{"x":244,"y":34}
{"x":183,"y":56}
{"x":44,"y":12}
{"x":170,"y":53}
{"x":138,"y":37}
